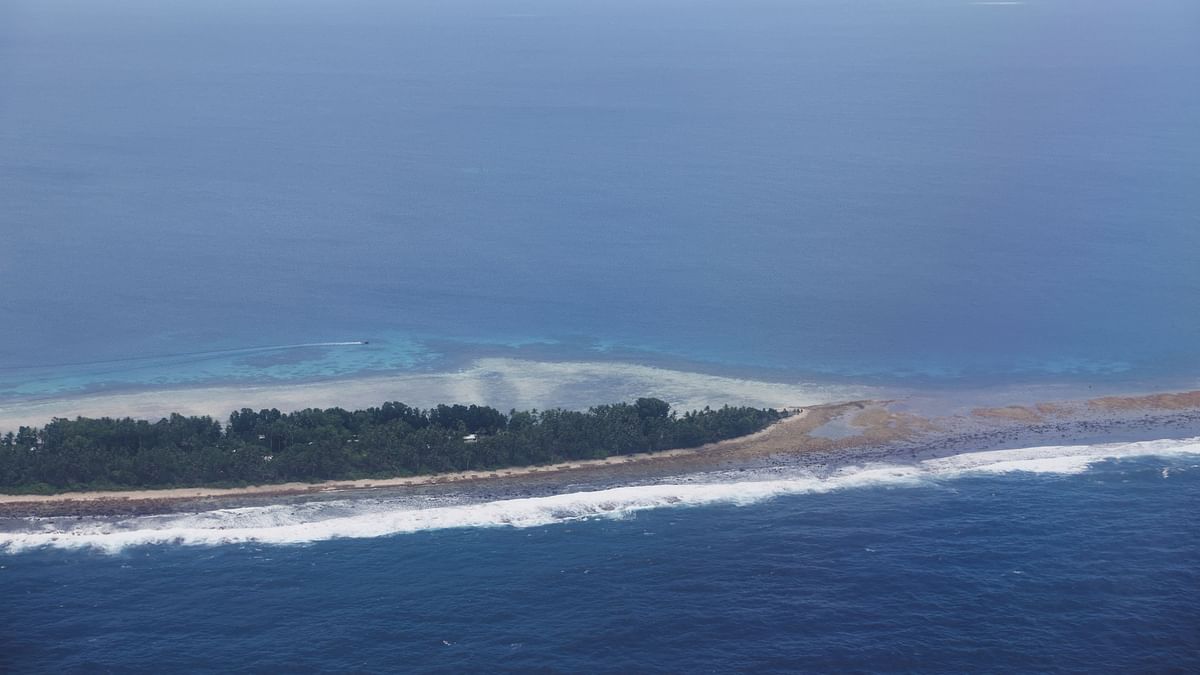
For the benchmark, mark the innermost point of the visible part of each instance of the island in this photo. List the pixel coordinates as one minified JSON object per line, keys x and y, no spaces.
{"x":125,"y":466}
{"x":391,"y":440}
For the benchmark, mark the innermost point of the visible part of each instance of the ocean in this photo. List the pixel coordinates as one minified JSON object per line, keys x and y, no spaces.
{"x":1072,"y":559}
{"x":915,"y":193}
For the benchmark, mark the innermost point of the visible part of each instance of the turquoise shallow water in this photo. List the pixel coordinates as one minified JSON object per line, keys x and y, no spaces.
{"x":919,"y":192}
{"x":1065,"y":572}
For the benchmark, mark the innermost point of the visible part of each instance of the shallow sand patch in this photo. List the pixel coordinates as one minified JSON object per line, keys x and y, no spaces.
{"x":1016,"y":413}
{"x":502,"y":383}
{"x":1162,"y":401}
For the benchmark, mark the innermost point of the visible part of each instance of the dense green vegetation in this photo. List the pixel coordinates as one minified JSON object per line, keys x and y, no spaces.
{"x":394,"y":439}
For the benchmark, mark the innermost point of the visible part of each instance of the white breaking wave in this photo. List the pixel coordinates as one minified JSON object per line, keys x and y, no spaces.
{"x":365,"y":518}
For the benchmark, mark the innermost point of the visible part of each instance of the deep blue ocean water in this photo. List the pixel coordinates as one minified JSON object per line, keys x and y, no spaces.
{"x":917,"y":191}
{"x":1019,"y":572}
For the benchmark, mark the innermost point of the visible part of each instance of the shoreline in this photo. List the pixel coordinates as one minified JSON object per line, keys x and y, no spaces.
{"x":503,"y":383}
{"x":517,"y":382}
{"x":294,"y":488}
{"x":820,"y":438}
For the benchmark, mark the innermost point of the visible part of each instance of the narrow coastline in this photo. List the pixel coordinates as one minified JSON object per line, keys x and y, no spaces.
{"x":81,"y":499}
{"x":817,"y":438}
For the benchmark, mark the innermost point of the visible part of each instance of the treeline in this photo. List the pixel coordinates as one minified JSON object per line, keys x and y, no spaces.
{"x":394,"y":439}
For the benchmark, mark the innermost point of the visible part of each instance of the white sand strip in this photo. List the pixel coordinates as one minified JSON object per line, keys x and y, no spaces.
{"x":502,"y":383}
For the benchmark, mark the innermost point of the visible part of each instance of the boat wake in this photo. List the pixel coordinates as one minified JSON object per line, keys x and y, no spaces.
{"x":375,"y":517}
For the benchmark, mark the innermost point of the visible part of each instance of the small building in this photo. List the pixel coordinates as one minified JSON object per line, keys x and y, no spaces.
{"x":471,"y":438}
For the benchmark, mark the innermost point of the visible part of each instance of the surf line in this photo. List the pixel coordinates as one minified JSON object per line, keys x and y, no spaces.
{"x":179,"y":355}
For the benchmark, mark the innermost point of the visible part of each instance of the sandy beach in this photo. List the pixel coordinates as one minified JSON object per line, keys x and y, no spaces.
{"x":499,"y":382}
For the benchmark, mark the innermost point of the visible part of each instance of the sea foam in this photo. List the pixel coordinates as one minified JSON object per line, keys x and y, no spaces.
{"x":365,"y":518}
